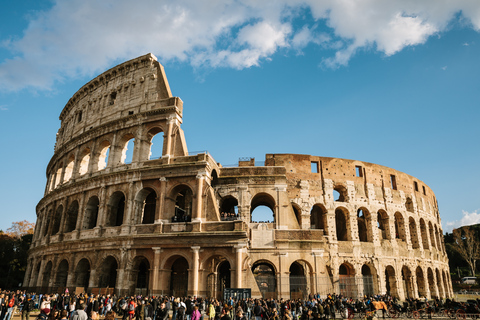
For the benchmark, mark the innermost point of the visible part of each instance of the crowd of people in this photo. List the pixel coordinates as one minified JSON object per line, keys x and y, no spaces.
{"x":91,"y":307}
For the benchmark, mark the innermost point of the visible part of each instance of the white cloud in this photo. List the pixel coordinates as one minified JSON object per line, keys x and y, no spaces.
{"x":3,"y":108}
{"x":83,"y":37}
{"x":444,"y":68}
{"x":468,"y":218}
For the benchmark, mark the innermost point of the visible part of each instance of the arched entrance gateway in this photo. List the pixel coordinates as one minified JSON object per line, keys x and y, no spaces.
{"x":108,"y":273}
{"x":264,"y":274}
{"x":298,"y":281}
{"x":82,"y":274}
{"x":218,"y":276}
{"x":346,"y":281}
{"x":141,"y":271}
{"x":179,"y":278}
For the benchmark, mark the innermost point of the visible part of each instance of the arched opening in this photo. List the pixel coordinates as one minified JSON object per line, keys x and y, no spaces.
{"x":58,"y":176}
{"x":341,"y":218}
{"x":147,"y":199}
{"x":439,"y":283}
{"x":390,"y":281}
{"x":62,"y":273}
{"x":432,"y":235}
{"x":57,"y":219}
{"x":91,"y":213}
{"x":183,"y":204}
{"x":84,"y":161}
{"x":229,"y":208}
{"x":318,"y":218}
{"x":37,"y":274}
{"x":69,"y":169}
{"x":363,"y":220}
{"x":445,"y":284}
{"x":413,"y":233}
{"x":224,"y":281}
{"x":346,"y":281}
{"x":423,"y":231}
{"x":422,"y":292}
{"x":399,"y":227}
{"x":367,"y":277}
{"x":264,"y":274}
{"x":127,"y":149}
{"x":82,"y":274}
{"x":383,"y":225}
{"x":103,"y":155}
{"x":46,"y":220}
{"x":179,"y":278}
{"x":298,"y":281}
{"x":72,"y":215}
{"x":298,"y":214}
{"x":214,"y":182}
{"x":437,"y":238}
{"x":46,"y":276}
{"x":108,"y":273}
{"x":156,"y":143}
{"x":409,"y":205}
{"x":142,"y":272}
{"x":431,"y":284}
{"x":115,"y":209}
{"x":340,"y":193}
{"x":262,"y":208}
{"x":407,"y":282}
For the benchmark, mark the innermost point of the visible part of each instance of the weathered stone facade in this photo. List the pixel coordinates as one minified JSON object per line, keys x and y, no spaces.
{"x":155,"y":224}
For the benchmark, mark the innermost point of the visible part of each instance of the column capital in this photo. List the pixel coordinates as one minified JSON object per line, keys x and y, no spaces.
{"x":157,"y":250}
{"x":162,"y":179}
{"x":195,"y":249}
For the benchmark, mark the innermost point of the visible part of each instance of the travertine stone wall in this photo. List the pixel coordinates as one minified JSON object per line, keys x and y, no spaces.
{"x":116,"y":218}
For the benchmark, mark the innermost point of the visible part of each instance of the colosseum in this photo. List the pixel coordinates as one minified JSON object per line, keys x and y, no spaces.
{"x":127,"y":209}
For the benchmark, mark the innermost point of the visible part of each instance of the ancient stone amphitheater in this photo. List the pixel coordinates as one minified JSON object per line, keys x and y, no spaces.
{"x":128,"y":209}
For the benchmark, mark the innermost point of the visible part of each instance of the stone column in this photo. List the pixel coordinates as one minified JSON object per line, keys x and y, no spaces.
{"x":168,"y":151}
{"x":160,"y":213}
{"x":198,"y":201}
{"x":238,"y":264}
{"x":414,"y":286}
{"x":195,"y":258}
{"x":155,"y":272}
{"x":40,"y":273}
{"x":93,"y":279}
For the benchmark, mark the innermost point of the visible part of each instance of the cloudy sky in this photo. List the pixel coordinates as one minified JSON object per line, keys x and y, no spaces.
{"x":390,"y":82}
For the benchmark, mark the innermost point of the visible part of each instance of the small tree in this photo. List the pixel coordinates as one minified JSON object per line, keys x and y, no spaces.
{"x":20,"y":228}
{"x":467,"y":244}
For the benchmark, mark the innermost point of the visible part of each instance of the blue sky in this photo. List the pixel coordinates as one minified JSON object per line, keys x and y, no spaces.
{"x":390,"y":82}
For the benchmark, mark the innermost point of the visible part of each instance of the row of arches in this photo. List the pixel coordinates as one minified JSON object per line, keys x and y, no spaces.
{"x":108,"y":152}
{"x":365,"y":225}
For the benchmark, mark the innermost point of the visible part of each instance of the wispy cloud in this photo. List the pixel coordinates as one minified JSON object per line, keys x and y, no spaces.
{"x":3,"y":108}
{"x":468,"y":218}
{"x":444,"y":68}
{"x":82,"y":37}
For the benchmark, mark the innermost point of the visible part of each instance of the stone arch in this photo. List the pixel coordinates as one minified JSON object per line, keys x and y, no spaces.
{"x":390,"y":281}
{"x":146,"y":206}
{"x":141,"y":275}
{"x":423,"y":232}
{"x":342,"y":224}
{"x":413,"y":233}
{"x":214,"y":181}
{"x":265,"y":200}
{"x":62,"y":274}
{"x":115,"y":209}
{"x":72,"y":216}
{"x":298,"y":213}
{"x":57,"y":219}
{"x":445,"y":284}
{"x":399,"y":227}
{"x":318,"y":217}
{"x":84,"y":161}
{"x":82,"y":273}
{"x":58,"y":175}
{"x":37,"y":273}
{"x":155,"y":137}
{"x":432,"y":235}
{"x":103,"y":155}
{"x":264,"y":273}
{"x":346,"y":280}
{"x":298,"y":280}
{"x":340,"y":193}
{"x":383,"y":224}
{"x":179,"y":267}
{"x":228,"y":205}
{"x":422,"y":291}
{"x":369,"y":279}
{"x":364,"y":223}
{"x":67,"y":175}
{"x":181,"y":197}
{"x":407,"y":280}
{"x":127,"y":143}
{"x":47,"y":273}
{"x":107,"y":273}
{"x":91,"y":213}
{"x":431,"y":284}
{"x":437,"y":238}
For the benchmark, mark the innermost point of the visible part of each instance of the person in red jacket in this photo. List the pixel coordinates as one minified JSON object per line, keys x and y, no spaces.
{"x":131,"y":308}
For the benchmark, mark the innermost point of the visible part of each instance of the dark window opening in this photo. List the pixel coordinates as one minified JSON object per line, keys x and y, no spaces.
{"x":130,"y":113}
{"x":359,"y":171}
{"x":393,"y":182}
{"x":415,"y":185}
{"x":80,"y":114}
{"x":424,"y":192}
{"x":113,"y":97}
